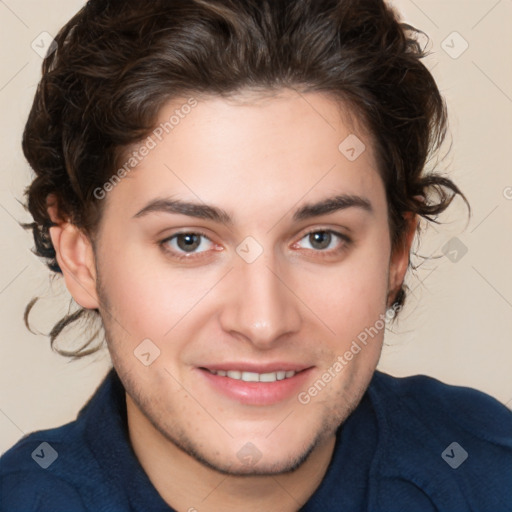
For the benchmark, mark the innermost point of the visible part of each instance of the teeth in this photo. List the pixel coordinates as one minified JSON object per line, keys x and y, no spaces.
{"x":250,"y":377}
{"x":253,"y":376}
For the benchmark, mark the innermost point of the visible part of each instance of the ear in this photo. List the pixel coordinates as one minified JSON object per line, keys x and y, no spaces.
{"x":75,"y":257}
{"x":399,"y":261}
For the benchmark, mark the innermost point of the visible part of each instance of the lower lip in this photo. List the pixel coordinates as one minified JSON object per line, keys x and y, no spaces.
{"x":257,"y":393}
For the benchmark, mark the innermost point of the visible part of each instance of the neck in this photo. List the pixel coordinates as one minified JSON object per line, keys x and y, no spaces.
{"x":185,"y":484}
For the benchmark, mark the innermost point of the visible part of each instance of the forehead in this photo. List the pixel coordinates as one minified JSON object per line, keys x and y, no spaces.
{"x":251,"y":151}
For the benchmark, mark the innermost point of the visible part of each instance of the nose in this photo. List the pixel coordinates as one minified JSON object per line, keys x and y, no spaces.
{"x":260,"y":306}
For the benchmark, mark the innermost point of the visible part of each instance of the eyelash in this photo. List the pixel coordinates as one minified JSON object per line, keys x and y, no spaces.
{"x":192,"y":256}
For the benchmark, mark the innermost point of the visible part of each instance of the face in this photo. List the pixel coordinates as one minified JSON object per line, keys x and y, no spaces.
{"x":250,"y":254}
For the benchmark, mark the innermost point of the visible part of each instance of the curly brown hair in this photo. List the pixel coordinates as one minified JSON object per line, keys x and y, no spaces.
{"x":117,"y":62}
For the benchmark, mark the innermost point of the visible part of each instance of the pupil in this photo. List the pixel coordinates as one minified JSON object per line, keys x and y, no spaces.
{"x":321,"y":238}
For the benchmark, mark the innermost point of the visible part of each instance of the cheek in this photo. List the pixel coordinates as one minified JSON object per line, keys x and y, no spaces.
{"x":352,"y":295}
{"x":144,"y":294}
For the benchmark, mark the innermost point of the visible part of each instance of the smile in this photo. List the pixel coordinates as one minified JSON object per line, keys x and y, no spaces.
{"x":256,"y":384}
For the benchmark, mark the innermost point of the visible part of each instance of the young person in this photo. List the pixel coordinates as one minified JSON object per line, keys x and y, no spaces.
{"x":233,"y":187}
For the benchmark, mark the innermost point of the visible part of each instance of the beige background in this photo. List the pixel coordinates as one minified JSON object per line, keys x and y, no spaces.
{"x":457,"y":325}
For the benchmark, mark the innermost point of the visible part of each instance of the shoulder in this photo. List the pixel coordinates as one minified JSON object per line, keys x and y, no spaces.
{"x":431,"y":400}
{"x":40,"y":472}
{"x":451,"y":445}
{"x":38,"y":492}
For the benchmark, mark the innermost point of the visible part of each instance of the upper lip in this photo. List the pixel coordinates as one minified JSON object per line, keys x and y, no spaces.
{"x":257,"y":367}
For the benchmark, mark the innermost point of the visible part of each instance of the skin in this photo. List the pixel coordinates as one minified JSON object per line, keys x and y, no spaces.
{"x":259,"y":159}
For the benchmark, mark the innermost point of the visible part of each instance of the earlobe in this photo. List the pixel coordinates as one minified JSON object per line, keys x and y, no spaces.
{"x":399,"y":262}
{"x":75,"y":257}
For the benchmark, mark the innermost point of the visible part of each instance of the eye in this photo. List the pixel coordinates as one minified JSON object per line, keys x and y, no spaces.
{"x":325,"y":241}
{"x":182,"y":244}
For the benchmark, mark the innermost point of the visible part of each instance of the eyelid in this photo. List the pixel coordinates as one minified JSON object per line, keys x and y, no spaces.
{"x":325,"y":230}
{"x":184,"y":255}
{"x":345,"y":238}
{"x":197,"y":231}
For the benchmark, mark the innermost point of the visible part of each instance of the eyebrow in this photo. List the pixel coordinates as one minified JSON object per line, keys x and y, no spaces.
{"x":209,"y":212}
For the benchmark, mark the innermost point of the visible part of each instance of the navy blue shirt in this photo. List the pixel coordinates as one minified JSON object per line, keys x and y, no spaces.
{"x":413,"y":444}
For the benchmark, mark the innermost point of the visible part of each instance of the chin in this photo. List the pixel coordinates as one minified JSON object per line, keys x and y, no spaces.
{"x":256,"y":456}
{"x":256,"y":464}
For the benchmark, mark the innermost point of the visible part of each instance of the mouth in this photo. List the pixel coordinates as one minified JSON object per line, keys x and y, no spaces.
{"x":256,"y":384}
